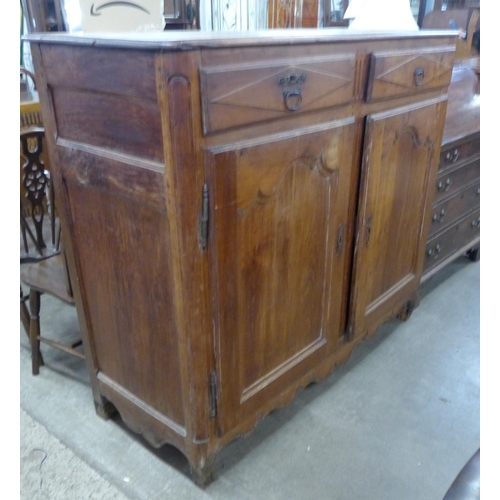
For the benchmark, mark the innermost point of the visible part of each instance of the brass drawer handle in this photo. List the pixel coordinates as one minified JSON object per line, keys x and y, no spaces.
{"x":475,"y":223}
{"x":438,"y":217}
{"x":444,"y":186}
{"x":453,"y":156}
{"x":293,"y":99}
{"x":434,"y":252}
{"x":418,"y":76}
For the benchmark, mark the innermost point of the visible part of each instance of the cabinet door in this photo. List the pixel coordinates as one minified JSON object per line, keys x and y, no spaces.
{"x":280,"y":226}
{"x":400,"y":160}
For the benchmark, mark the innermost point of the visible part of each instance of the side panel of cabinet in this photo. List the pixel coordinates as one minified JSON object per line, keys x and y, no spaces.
{"x":400,"y":161}
{"x":281,"y":221}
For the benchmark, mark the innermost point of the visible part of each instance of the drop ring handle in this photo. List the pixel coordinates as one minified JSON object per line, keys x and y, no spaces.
{"x":293,"y":99}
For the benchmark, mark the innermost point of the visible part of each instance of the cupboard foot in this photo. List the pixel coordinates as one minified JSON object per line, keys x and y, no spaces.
{"x":474,"y":254}
{"x":104,"y":409}
{"x":203,"y":476}
{"x":408,"y":309}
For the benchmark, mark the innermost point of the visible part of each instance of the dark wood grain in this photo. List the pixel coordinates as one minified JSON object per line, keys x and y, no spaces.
{"x":400,"y":161}
{"x":227,"y":270}
{"x":458,"y":237}
{"x":463,"y":114}
{"x":400,"y":73}
{"x":239,"y":94}
{"x":300,"y":185}
{"x":453,"y":207}
{"x":456,"y":194}
{"x":115,"y":122}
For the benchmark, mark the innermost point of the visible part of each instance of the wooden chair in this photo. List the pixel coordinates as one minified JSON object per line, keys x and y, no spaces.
{"x":47,"y":271}
{"x":48,"y":276}
{"x":37,"y":201}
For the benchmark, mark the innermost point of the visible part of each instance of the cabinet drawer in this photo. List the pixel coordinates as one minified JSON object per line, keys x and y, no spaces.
{"x":242,"y":94}
{"x":451,"y":182}
{"x":397,"y":74}
{"x":457,"y":236}
{"x":450,"y":156}
{"x":454,"y":208}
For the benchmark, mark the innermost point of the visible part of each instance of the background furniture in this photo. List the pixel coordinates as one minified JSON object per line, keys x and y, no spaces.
{"x":181,"y":14}
{"x":43,"y":15}
{"x":466,"y":19}
{"x":455,"y":223}
{"x":234,"y":258}
{"x":39,"y":225}
{"x":47,"y":272}
{"x":49,"y":276}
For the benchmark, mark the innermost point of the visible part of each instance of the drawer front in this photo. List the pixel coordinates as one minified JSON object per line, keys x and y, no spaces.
{"x":452,"y":182}
{"x":450,"y":156}
{"x":238,"y":95}
{"x":397,"y":74}
{"x":445,"y":244}
{"x":454,"y":208}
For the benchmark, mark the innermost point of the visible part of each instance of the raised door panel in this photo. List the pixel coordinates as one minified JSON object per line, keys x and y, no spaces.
{"x":281,"y":219}
{"x":400,"y":161}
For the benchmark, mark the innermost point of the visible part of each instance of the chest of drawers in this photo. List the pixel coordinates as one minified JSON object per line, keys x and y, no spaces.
{"x":454,"y":224}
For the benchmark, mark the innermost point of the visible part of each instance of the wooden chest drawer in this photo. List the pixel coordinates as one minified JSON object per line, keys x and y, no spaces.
{"x":450,"y":156}
{"x":242,"y":94}
{"x":451,"y":182}
{"x":395,"y":74}
{"x":454,"y":208}
{"x":448,"y":242}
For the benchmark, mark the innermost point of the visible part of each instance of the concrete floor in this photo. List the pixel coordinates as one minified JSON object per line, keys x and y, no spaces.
{"x":397,"y":422}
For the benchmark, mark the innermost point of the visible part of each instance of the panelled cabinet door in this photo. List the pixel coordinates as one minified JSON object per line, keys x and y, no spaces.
{"x":278,"y":226}
{"x":400,"y":159}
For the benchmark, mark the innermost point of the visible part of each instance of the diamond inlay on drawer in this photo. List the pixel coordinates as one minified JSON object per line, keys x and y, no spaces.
{"x":398,"y":74}
{"x":249,"y":93}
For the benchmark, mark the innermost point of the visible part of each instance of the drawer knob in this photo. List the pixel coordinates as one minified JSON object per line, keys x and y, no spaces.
{"x":418,"y":76}
{"x":453,"y":155}
{"x":434,"y":252}
{"x":438,"y":217}
{"x":475,"y":223}
{"x":293,"y":99}
{"x":444,"y":186}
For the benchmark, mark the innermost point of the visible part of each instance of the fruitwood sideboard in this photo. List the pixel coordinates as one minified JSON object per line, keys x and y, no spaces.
{"x":454,"y":225}
{"x":238,"y":212}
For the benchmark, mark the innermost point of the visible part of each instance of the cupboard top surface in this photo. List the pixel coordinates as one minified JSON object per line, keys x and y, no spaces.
{"x":191,"y":40}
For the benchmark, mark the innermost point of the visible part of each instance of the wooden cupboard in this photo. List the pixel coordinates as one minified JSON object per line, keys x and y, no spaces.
{"x":238,"y":212}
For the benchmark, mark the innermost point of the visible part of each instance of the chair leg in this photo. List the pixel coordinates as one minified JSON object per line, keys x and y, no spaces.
{"x":25,"y":319}
{"x":25,"y":315}
{"x":35,"y":331}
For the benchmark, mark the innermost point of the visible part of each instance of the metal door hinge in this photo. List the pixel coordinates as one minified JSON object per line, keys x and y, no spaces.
{"x":213,"y":394}
{"x":204,"y":218}
{"x":340,"y":239}
{"x":368,"y":226}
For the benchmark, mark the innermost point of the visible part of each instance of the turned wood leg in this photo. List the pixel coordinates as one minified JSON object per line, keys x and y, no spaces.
{"x":35,"y":331}
{"x":25,"y":316}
